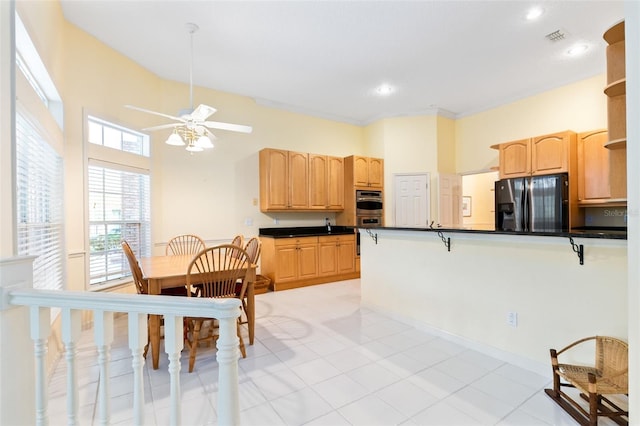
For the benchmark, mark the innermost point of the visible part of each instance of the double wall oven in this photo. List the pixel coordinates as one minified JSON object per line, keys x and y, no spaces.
{"x":368,"y":211}
{"x":368,"y":208}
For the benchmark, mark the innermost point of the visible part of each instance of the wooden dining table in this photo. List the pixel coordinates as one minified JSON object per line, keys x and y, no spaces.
{"x":171,"y":272}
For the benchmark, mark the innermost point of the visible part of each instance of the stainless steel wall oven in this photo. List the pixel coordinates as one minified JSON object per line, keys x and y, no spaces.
{"x":369,"y":208}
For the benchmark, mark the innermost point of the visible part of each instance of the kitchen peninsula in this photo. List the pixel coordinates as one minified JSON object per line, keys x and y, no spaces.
{"x":510,"y":295}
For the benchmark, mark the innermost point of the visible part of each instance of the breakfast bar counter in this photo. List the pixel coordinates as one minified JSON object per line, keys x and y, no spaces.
{"x":507,"y":294}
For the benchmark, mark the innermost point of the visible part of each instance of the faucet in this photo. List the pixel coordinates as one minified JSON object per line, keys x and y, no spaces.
{"x":328,"y":223}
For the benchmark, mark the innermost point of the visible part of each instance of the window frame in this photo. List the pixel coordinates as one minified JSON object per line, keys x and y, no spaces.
{"x":121,"y":161}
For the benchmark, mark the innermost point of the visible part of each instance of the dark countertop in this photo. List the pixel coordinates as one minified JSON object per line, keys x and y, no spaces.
{"x":314,"y":231}
{"x":305,"y":231}
{"x":583,"y":232}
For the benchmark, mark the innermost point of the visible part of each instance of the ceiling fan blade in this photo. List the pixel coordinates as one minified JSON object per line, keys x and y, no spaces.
{"x":202,"y":112}
{"x":162,"y":126}
{"x":148,"y":111}
{"x":228,"y":126}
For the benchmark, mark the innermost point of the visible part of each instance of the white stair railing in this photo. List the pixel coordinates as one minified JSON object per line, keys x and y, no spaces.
{"x":103,"y":306}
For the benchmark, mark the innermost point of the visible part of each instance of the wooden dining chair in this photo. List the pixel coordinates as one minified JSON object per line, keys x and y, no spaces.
{"x":609,"y":375}
{"x":215,"y":271}
{"x":238,"y":240}
{"x":253,"y":249}
{"x":184,"y":244}
{"x":142,"y":286}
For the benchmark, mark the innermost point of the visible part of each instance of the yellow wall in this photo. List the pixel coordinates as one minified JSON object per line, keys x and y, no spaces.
{"x":214,"y":194}
{"x":579,"y":107}
{"x":480,"y":187}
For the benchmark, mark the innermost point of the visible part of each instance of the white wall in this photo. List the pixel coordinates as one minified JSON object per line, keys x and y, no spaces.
{"x":466,"y":293}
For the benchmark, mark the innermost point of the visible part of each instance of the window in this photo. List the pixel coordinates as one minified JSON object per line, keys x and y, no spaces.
{"x":119,"y":201}
{"x":116,"y":137}
{"x":39,"y":196}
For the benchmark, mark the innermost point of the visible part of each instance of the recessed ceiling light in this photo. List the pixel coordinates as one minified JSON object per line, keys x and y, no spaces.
{"x":534,"y":13}
{"x":577,"y":49}
{"x":384,"y":89}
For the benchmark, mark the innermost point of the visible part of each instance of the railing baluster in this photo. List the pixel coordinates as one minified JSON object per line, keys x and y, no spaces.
{"x":103,"y":329}
{"x":173,"y":344}
{"x":137,"y":340}
{"x":138,"y":307}
{"x":71,"y":322}
{"x":40,"y":328}
{"x":228,"y":353}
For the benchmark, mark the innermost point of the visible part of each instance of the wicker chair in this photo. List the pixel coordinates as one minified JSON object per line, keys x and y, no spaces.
{"x":608,"y":376}
{"x":226,"y":257}
{"x":185,"y":244}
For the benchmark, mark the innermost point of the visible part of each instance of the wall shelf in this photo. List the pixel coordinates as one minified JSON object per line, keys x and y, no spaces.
{"x":617,"y":143}
{"x":617,"y":88}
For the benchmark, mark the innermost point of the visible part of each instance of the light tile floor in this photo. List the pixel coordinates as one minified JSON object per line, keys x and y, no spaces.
{"x":321,"y":359}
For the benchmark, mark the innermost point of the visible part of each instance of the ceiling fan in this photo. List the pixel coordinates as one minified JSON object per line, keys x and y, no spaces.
{"x":192,"y":127}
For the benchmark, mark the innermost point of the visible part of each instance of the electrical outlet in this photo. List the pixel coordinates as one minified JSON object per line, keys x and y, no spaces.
{"x":276,"y":221}
{"x":512,"y":319}
{"x":248,"y":221}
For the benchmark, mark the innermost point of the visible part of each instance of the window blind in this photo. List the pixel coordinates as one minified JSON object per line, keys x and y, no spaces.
{"x":119,"y":204}
{"x":39,"y":204}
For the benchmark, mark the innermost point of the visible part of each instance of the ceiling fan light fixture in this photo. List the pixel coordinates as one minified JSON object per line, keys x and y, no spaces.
{"x":194,"y":147}
{"x":175,"y":139}
{"x":204,"y":142}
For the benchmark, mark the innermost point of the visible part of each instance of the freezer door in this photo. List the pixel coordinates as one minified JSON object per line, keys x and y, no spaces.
{"x":548,"y":203}
{"x":510,"y":194}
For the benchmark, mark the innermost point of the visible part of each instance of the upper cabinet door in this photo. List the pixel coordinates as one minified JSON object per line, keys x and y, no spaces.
{"x":274,"y":179}
{"x":550,"y":153}
{"x":593,"y":166}
{"x":515,"y":159}
{"x":376,"y":172}
{"x":298,"y":180}
{"x":335,"y":183}
{"x":360,"y":171}
{"x":318,"y":181}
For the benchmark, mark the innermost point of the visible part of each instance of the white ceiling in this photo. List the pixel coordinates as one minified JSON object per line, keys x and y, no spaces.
{"x":325,"y":58}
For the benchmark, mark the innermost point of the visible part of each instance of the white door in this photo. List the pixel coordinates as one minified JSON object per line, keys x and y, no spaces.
{"x":449,"y":199}
{"x":411,"y":200}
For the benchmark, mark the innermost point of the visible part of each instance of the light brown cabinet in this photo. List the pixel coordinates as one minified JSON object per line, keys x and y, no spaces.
{"x":301,"y":261}
{"x":602,"y":176}
{"x":359,"y":173}
{"x":551,"y":153}
{"x":326,"y":182}
{"x":300,"y":181}
{"x":367,"y":172}
{"x":336,"y":255}
{"x":284,"y":180}
{"x":616,"y":89}
{"x":295,"y":259}
{"x":541,"y":155}
{"x":515,"y":159}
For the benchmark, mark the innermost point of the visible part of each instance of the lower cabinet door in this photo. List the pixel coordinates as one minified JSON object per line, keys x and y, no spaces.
{"x":307,"y":261}
{"x":347,"y":255}
{"x":328,"y":255}
{"x":286,"y":263}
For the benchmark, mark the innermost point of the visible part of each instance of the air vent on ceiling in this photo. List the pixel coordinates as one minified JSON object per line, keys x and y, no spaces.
{"x":557,"y":35}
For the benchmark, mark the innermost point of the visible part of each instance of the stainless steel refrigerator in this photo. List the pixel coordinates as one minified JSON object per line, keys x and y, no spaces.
{"x":533,"y":204}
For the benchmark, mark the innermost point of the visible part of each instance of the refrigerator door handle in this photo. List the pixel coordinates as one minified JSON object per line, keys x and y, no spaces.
{"x":525,"y":206}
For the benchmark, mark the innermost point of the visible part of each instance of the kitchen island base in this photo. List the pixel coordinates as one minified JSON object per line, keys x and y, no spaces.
{"x":472,"y":291}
